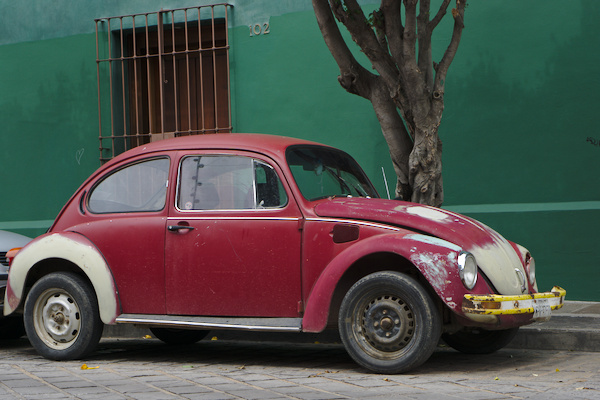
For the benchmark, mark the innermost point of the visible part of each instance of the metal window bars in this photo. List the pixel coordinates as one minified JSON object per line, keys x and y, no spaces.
{"x":162,"y":74}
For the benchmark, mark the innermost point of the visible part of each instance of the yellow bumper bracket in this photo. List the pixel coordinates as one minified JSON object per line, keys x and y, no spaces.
{"x":538,"y":304}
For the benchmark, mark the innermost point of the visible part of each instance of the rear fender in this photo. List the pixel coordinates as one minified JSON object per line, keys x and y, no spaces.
{"x":436,"y":260}
{"x":71,"y":247}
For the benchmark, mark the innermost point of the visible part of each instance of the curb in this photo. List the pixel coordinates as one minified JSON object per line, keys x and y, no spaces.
{"x":575,"y":327}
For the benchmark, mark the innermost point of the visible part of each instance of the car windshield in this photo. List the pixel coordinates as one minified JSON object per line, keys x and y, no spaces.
{"x":322,"y":172}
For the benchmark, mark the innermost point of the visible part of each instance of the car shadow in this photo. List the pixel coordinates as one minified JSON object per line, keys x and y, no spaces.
{"x":238,"y":354}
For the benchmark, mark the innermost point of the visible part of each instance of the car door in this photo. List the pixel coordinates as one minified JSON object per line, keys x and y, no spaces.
{"x":233,"y":240}
{"x":125,"y":219}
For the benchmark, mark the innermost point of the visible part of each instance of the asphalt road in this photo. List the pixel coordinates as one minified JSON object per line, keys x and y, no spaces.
{"x":220,"y":369}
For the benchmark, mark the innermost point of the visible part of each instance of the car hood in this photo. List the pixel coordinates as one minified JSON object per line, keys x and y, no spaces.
{"x":495,"y":256}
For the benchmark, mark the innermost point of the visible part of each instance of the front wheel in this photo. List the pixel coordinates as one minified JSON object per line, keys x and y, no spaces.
{"x":479,"y":340}
{"x":389,"y":323}
{"x":61,"y":317}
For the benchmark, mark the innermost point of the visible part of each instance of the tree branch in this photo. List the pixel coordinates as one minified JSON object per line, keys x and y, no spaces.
{"x":425,"y":61}
{"x":440,"y":14}
{"x":394,"y":30}
{"x":378,"y":21}
{"x":353,"y":18}
{"x":410,"y":32}
{"x":350,"y":69}
{"x":442,"y":69}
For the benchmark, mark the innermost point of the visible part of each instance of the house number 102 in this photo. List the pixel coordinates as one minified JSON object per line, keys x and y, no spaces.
{"x":259,"y":29}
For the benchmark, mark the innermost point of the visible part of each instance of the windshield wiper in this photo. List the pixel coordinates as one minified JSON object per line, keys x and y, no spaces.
{"x":346,"y":185}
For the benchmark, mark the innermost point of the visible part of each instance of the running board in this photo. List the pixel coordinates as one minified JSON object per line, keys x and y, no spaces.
{"x":190,"y":322}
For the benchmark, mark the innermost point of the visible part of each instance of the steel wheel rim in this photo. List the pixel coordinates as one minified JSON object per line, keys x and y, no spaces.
{"x":384,"y":326}
{"x":57,"y":318}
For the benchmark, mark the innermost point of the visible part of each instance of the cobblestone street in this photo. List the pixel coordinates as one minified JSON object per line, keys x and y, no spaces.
{"x":219,"y":369}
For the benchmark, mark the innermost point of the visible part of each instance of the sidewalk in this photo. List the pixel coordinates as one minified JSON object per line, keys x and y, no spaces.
{"x":575,"y":327}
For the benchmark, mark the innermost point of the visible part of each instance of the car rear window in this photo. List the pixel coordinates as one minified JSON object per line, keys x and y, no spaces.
{"x":138,"y":187}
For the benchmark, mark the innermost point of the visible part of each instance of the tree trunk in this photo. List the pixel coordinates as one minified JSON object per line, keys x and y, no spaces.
{"x":397,"y":138}
{"x":425,"y":166}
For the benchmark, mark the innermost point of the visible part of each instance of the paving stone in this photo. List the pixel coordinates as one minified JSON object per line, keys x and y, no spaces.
{"x":127,"y":370}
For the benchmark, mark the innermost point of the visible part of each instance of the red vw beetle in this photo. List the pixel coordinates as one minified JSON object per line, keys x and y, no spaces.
{"x":267,"y":233}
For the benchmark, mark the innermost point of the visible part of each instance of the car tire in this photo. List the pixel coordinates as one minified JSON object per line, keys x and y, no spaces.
{"x":178,"y":336}
{"x":389,"y":323}
{"x":61,"y":317}
{"x":478,"y":340}
{"x":11,"y":328}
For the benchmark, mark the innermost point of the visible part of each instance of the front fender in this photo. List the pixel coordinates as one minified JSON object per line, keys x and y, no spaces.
{"x":436,"y":259}
{"x":71,"y":247}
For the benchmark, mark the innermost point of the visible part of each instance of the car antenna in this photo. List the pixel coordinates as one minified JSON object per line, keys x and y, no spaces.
{"x":385,"y":182}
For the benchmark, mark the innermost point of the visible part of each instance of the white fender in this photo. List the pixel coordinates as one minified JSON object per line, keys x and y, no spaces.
{"x":68,"y":246}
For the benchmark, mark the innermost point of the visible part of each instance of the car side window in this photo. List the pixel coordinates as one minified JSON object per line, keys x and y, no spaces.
{"x":269,"y":189}
{"x":138,"y":187}
{"x":217,"y":182}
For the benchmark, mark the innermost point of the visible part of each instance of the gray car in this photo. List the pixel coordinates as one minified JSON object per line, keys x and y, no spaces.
{"x":10,"y":328}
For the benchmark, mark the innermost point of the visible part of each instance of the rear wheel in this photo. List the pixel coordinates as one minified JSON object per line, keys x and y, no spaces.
{"x":479,"y":340}
{"x":61,"y":317}
{"x":389,"y":323}
{"x":178,"y":336}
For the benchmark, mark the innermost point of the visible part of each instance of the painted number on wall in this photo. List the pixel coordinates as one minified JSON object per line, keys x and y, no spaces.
{"x":259,"y":29}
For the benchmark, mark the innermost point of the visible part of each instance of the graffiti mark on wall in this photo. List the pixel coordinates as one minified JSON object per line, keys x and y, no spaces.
{"x":78,"y":155}
{"x":593,"y":141}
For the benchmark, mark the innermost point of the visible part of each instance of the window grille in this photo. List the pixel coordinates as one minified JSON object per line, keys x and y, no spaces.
{"x":161,"y":75}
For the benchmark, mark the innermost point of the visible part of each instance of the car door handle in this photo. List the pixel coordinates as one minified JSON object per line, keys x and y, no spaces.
{"x":177,"y":228}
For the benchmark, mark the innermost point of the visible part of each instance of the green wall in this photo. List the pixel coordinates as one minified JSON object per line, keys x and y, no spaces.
{"x":48,"y":114}
{"x":519,"y":129}
{"x":520,"y":150}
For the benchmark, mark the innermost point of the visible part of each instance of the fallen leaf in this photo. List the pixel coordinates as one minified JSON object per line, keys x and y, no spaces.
{"x":147,"y":337}
{"x":496,"y":379}
{"x":213,"y":338}
{"x":84,"y":366}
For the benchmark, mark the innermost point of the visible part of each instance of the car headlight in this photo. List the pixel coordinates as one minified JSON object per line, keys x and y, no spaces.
{"x":530,"y":267}
{"x":467,"y":269}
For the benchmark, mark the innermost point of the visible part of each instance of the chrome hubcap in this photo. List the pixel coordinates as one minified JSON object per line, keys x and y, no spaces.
{"x":57,"y":318}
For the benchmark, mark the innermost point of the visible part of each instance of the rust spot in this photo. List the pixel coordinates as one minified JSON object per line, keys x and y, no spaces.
{"x":469,"y":304}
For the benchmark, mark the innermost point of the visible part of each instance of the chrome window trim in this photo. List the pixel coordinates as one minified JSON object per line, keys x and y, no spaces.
{"x":356,"y":222}
{"x":107,"y":174}
{"x":253,"y":160}
{"x":233,"y":218}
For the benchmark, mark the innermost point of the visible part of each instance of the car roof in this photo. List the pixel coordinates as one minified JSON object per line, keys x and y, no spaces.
{"x":262,"y":143}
